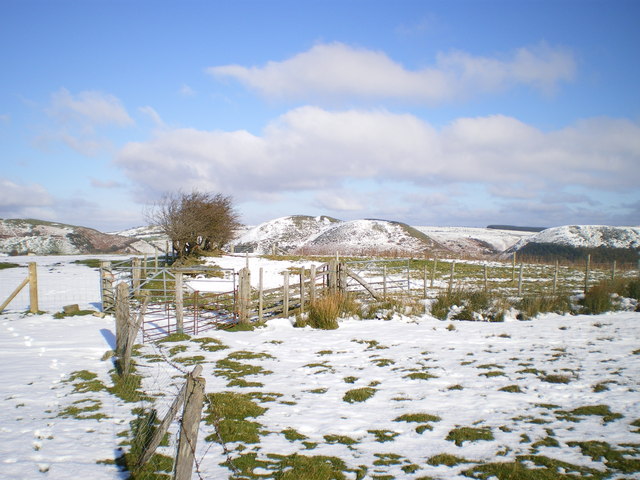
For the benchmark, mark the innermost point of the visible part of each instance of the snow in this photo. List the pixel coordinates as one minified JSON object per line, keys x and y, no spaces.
{"x":588,"y":236}
{"x":39,"y":352}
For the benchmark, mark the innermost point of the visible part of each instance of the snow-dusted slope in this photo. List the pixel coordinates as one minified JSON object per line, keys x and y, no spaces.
{"x":151,"y":234}
{"x":49,"y":238}
{"x":475,"y":241}
{"x":371,"y":236}
{"x":585,"y":236}
{"x":285,"y":233}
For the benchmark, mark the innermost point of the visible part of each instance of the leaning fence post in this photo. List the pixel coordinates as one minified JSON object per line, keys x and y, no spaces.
{"x":33,"y":288}
{"x":191,"y":415}
{"x":179,"y":303}
{"x":122,"y":317}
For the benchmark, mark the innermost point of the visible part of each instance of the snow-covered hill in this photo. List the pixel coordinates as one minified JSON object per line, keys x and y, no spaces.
{"x":585,"y":236}
{"x":470,"y":241}
{"x":285,"y":234}
{"x":326,"y":235}
{"x":49,"y":238}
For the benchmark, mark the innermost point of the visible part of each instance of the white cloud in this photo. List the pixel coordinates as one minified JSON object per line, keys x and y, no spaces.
{"x":187,"y":91}
{"x":23,"y":200}
{"x":311,"y":149}
{"x":340,"y":70}
{"x":96,"y":108}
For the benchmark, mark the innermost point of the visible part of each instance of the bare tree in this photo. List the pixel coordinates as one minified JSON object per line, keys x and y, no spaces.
{"x":196,"y":221}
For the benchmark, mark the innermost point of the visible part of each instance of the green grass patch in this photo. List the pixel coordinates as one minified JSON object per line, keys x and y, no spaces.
{"x":358,"y":395}
{"x":446,"y":459}
{"x":78,"y":313}
{"x":590,"y":410}
{"x":209,"y":344}
{"x":4,"y":265}
{"x":532,"y":467}
{"x":420,"y":376}
{"x":556,"y":378}
{"x":342,"y":439}
{"x":85,"y":409}
{"x":417,"y":418}
{"x":350,"y":379}
{"x":383,"y":436}
{"x":228,"y":413}
{"x":623,"y":460}
{"x":511,"y":389}
{"x":293,"y":435}
{"x":469,"y":434}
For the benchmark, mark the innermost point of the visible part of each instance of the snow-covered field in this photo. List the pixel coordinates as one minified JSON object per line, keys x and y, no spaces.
{"x":548,"y":388}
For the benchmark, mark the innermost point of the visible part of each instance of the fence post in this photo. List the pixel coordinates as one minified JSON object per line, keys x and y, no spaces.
{"x":191,"y":415}
{"x":586,"y":273}
{"x":453,"y":267}
{"x":244,"y":295}
{"x":555,"y":278}
{"x":486,"y":280}
{"x":285,"y":294}
{"x":302,"y":293}
{"x":520,"y":280}
{"x":33,"y":287}
{"x":613,"y":271}
{"x":342,"y":277}
{"x":122,"y":317}
{"x":135,"y":274}
{"x":513,"y":268}
{"x":312,"y":285}
{"x":433,"y":271}
{"x":384,"y":282}
{"x":106,"y":286}
{"x":133,"y":325}
{"x":260,"y":294}
{"x":179,"y":303}
{"x":425,"y":273}
{"x":333,"y":275}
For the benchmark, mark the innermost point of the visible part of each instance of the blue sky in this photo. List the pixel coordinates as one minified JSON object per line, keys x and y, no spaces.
{"x":461,"y":113}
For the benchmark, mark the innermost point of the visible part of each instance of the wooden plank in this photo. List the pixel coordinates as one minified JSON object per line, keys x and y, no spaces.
{"x":191,"y":415}
{"x":33,"y":287}
{"x":361,"y":281}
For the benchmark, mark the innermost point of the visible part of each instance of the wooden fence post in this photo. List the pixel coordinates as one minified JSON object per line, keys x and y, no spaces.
{"x":424,"y":275}
{"x":586,"y":273}
{"x":453,"y":267}
{"x":613,"y":271}
{"x":433,"y":271}
{"x":384,"y":282}
{"x":333,"y":275}
{"x":33,"y":287}
{"x":312,"y":285}
{"x":285,"y":294}
{"x":191,"y":415}
{"x":135,"y":275}
{"x":520,"y":280}
{"x":122,"y":317}
{"x":179,"y":303}
{"x":342,"y":277}
{"x":513,"y":268}
{"x":106,"y":287}
{"x":260,"y":294}
{"x":158,"y":433}
{"x":133,"y":325}
{"x":486,"y":279}
{"x":302,"y":293}
{"x":244,"y":295}
{"x":555,"y":278}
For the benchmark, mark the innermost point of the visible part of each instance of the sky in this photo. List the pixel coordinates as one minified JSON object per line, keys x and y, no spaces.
{"x":444,"y":113}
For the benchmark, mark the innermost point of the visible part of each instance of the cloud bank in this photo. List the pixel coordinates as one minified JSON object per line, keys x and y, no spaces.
{"x":339,"y":70}
{"x":310,"y":149}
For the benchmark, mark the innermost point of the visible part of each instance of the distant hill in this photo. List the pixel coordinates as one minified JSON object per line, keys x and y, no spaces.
{"x":516,"y":228}
{"x":326,"y":235}
{"x":20,"y":237}
{"x":575,"y":242}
